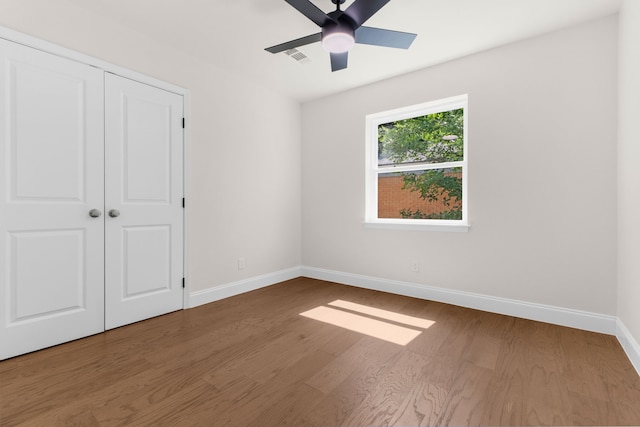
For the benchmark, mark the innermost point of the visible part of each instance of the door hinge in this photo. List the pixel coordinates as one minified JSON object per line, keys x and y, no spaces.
{"x":183,"y":202}
{"x":183,"y":285}
{"x":183,"y":123}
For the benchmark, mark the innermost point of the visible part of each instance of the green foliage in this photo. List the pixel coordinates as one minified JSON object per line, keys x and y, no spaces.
{"x":423,"y":139}
{"x":435,"y":184}
{"x":417,"y":214}
{"x":434,"y":138}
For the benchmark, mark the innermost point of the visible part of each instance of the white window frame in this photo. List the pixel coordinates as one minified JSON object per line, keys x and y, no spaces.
{"x":373,"y":170}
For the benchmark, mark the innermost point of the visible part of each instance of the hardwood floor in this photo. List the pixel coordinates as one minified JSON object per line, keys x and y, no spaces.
{"x":253,"y":360}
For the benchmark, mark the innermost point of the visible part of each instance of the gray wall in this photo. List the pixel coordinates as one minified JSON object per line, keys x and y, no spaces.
{"x":244,"y":154}
{"x":629,"y":171}
{"x":542,"y":175}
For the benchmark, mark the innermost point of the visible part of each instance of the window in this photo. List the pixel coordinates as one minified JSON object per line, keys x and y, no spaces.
{"x":417,"y":167}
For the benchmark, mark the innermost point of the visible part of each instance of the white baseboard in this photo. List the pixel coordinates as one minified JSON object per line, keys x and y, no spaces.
{"x":526,"y":310}
{"x":629,"y":344}
{"x":543,"y":313}
{"x":235,"y":288}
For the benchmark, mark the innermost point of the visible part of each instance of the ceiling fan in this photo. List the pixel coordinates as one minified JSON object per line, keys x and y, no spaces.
{"x":342,"y":29}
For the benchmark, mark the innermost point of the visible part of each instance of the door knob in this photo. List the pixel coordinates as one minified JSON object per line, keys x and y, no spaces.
{"x":114,"y":213}
{"x":94,"y":213}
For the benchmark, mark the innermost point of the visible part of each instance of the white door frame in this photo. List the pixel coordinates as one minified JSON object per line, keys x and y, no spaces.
{"x":45,"y":46}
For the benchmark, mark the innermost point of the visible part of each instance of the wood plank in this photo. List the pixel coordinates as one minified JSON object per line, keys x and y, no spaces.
{"x":253,"y":360}
{"x":386,"y":399}
{"x":351,"y":362}
{"x":465,"y":403}
{"x":423,"y":406}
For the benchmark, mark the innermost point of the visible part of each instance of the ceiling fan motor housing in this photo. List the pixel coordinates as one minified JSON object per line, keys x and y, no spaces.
{"x":338,"y":36}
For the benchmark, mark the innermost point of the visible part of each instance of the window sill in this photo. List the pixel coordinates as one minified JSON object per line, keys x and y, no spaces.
{"x":417,"y":225}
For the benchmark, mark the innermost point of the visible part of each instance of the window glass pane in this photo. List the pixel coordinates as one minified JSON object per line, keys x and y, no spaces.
{"x":432,"y":138}
{"x":429,"y":194}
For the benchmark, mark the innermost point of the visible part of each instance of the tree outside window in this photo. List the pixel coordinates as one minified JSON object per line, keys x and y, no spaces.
{"x":420,"y":169}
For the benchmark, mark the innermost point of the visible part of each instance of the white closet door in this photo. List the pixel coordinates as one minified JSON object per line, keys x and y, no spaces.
{"x":143,"y":183}
{"x":51,"y":176}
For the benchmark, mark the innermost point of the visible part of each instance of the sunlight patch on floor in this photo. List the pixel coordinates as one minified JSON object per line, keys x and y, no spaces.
{"x":384,"y":314}
{"x":366,"y":325}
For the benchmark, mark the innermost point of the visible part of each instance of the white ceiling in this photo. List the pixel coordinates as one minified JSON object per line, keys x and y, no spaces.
{"x":232,"y":34}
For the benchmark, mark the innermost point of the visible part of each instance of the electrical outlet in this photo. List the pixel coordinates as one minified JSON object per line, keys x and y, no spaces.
{"x":241,"y":263}
{"x":415,"y":266}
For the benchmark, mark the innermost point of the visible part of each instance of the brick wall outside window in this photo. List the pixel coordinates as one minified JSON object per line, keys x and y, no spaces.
{"x":392,"y":198}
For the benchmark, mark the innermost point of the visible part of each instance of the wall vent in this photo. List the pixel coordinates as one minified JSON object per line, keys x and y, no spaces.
{"x":298,"y":56}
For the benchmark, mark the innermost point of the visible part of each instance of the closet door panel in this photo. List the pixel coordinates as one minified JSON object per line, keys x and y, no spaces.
{"x":144,"y":242}
{"x":51,"y":152}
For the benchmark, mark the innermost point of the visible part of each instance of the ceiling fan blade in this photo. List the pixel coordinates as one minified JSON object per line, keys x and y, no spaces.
{"x":382,"y":37}
{"x":339,"y":61}
{"x":311,"y":11}
{"x":295,"y":43}
{"x":361,"y":10}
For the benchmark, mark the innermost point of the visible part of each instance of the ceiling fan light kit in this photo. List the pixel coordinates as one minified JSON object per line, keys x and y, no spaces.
{"x":338,"y":41}
{"x":341,"y":30}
